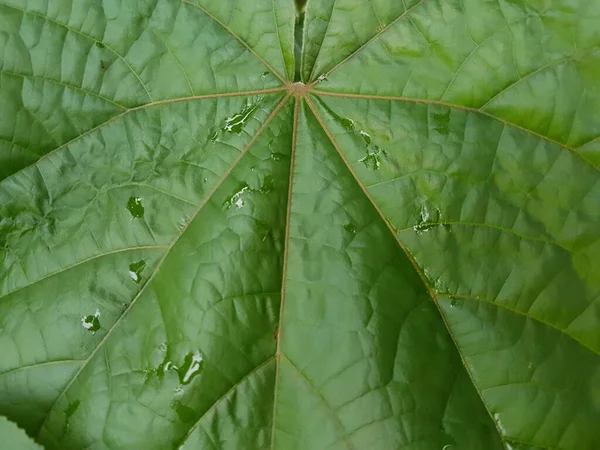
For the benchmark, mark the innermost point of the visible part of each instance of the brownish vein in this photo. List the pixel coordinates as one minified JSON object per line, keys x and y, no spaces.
{"x":454,"y":106}
{"x":161,"y":262}
{"x":285,"y":266}
{"x":408,"y":255}
{"x":223,"y":397}
{"x":359,"y":49}
{"x":541,"y":321}
{"x":78,"y":263}
{"x":146,"y":106}
{"x":244,"y":43}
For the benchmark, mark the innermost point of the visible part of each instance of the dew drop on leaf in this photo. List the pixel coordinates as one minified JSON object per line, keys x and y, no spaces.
{"x":190,"y":368}
{"x":135,"y":270}
{"x":262,"y":229}
{"x":348,"y":124}
{"x":373,"y":158}
{"x":268,"y":185}
{"x":366,"y":136}
{"x":236,"y":198}
{"x":235,"y":123}
{"x":350,"y":228}
{"x":91,"y":322}
{"x":277,"y":156}
{"x":135,"y":207}
{"x":71,"y":409}
{"x":428,"y":219}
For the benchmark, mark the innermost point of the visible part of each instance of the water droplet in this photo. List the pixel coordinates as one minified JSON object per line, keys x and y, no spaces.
{"x":71,"y":409}
{"x":236,"y":198}
{"x":185,"y":413}
{"x":428,"y":219}
{"x":168,"y":365}
{"x":366,"y":136}
{"x":214,"y":137}
{"x":262,"y":229}
{"x":135,"y":270}
{"x":277,"y":156}
{"x":182,"y":223}
{"x":350,"y":228}
{"x":265,"y":74}
{"x":499,"y":422}
{"x":205,"y":180}
{"x":91,"y":322}
{"x":135,"y":207}
{"x":322,"y":78}
{"x":73,"y":406}
{"x":442,"y":123}
{"x":268,"y":185}
{"x":373,"y":158}
{"x":235,"y":123}
{"x":190,"y":368}
{"x":452,"y":302}
{"x":348,"y":124}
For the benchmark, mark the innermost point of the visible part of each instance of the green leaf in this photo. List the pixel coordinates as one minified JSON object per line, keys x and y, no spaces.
{"x":15,"y":438}
{"x":398,"y":252}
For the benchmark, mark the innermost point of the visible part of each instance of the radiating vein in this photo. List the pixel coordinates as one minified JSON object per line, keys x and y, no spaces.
{"x":336,"y":419}
{"x":285,"y":265}
{"x":146,"y":106}
{"x":454,"y":106}
{"x":413,"y":262}
{"x":244,"y":43}
{"x":487,"y":225}
{"x":65,"y":85}
{"x":524,"y":314}
{"x":223,"y":397}
{"x":375,"y":37}
{"x":173,"y":243}
{"x":78,"y":263}
{"x":42,"y":365}
{"x":24,"y":11}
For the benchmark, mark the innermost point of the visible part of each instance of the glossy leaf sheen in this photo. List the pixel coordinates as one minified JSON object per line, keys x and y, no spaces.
{"x":399,"y":252}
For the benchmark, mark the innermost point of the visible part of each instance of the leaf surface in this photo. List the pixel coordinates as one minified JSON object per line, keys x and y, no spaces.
{"x":397,"y":252}
{"x":15,"y":438}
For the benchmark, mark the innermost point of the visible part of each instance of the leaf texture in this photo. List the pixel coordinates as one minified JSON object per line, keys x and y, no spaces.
{"x":398,"y":251}
{"x":15,"y":438}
